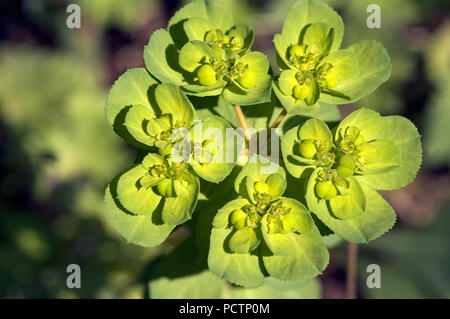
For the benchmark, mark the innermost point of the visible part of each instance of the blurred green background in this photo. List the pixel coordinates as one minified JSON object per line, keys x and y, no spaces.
{"x":57,"y":152}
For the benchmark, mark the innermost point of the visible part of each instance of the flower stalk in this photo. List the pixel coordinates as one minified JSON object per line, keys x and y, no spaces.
{"x":242,"y":122}
{"x":352,"y":256}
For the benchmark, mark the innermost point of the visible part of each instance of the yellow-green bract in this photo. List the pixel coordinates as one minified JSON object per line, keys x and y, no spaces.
{"x":313,"y":68}
{"x":366,"y":152}
{"x":206,"y":54}
{"x":262,"y":232}
{"x":156,"y":194}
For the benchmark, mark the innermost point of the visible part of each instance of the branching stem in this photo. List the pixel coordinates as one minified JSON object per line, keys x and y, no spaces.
{"x":279,"y":119}
{"x":242,"y":121}
{"x":277,"y":122}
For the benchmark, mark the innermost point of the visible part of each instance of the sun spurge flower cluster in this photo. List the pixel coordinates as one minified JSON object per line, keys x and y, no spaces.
{"x":206,"y":54}
{"x":159,"y":192}
{"x":263,"y":226}
{"x":315,"y":69}
{"x":251,"y":222}
{"x":342,"y":167}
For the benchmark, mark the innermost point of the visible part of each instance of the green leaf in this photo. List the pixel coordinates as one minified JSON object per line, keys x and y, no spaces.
{"x":361,"y":68}
{"x":259,"y":169}
{"x":379,"y":156}
{"x":131,"y":88}
{"x":345,"y":66}
{"x":149,"y":181}
{"x":132,"y":195}
{"x":324,"y":112}
{"x":261,"y":94}
{"x":213,"y":129}
{"x":202,"y":90}
{"x":320,"y":110}
{"x":282,"y":45}
{"x":240,"y":269}
{"x":243,"y":241}
{"x":287,"y":81}
{"x":135,"y":122}
{"x":150,"y":159}
{"x":245,"y":33}
{"x":316,"y":130}
{"x":351,"y":203}
{"x":277,"y":184}
{"x":302,"y":14}
{"x":283,"y":89}
{"x":258,"y":64}
{"x":377,"y":219}
{"x":215,"y":12}
{"x":308,"y":259}
{"x":221,"y":220}
{"x":142,"y":200}
{"x":406,"y":139}
{"x":294,"y":256}
{"x":211,"y":199}
{"x":368,"y":121}
{"x":155,"y":126}
{"x":314,"y":97}
{"x":142,"y":230}
{"x":396,"y":129}
{"x":302,"y":220}
{"x":193,"y":54}
{"x":295,"y":165}
{"x":247,"y":189}
{"x":161,"y":58}
{"x":196,"y":28}
{"x":171,"y":100}
{"x":319,"y":33}
{"x":179,"y":209}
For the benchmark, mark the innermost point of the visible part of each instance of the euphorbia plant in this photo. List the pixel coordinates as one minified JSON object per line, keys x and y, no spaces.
{"x":203,"y":65}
